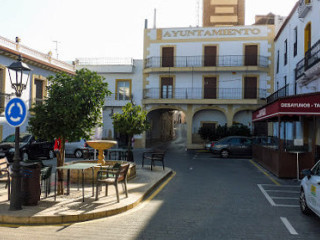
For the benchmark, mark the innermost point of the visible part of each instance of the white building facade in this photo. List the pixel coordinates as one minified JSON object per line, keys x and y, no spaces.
{"x":124,"y":78}
{"x":42,"y":65}
{"x":297,"y":57}
{"x":214,"y":75}
{"x":293,"y":110}
{"x":298,"y":35}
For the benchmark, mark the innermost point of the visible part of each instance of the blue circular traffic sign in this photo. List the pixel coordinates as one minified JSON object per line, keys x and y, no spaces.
{"x":16,"y":112}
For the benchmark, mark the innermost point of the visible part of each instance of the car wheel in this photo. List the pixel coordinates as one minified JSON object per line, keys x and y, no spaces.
{"x":224,"y":153}
{"x":50,"y":154}
{"x":25,"y":156}
{"x":303,"y":203}
{"x":78,"y":153}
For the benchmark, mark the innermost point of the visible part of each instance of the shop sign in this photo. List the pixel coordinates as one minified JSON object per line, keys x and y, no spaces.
{"x":308,"y":104}
{"x":212,"y":32}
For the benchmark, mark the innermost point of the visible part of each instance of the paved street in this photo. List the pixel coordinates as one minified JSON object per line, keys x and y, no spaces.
{"x":209,"y":198}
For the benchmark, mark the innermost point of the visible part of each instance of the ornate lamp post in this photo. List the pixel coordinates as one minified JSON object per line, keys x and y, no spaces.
{"x":19,"y":73}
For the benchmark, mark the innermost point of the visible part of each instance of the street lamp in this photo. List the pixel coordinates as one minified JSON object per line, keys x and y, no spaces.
{"x":20,"y":80}
{"x":19,"y":73}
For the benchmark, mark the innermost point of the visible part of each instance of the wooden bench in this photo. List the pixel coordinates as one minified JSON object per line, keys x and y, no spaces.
{"x":153,"y":156}
{"x":5,"y":174}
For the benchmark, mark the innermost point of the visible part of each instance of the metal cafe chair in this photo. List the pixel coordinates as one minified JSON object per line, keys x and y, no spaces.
{"x":113,"y":176}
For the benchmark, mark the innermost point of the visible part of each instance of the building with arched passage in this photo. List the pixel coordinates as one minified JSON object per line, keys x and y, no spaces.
{"x":216,"y":75}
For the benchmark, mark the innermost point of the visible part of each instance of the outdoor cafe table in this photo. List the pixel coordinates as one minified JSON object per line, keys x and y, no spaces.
{"x":76,"y":166}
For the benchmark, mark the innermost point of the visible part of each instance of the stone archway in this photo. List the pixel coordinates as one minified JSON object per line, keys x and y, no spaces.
{"x":163,"y":120}
{"x":243,"y":117}
{"x":213,"y":116}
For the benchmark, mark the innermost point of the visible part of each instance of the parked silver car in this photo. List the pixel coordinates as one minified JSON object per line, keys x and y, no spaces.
{"x":233,"y":145}
{"x":77,"y":148}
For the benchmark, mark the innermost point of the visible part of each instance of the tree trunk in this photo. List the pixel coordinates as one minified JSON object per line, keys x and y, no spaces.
{"x":130,"y":153}
{"x":60,"y":162}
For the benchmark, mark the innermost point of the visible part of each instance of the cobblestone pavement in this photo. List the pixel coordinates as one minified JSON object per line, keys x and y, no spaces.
{"x":209,"y":198}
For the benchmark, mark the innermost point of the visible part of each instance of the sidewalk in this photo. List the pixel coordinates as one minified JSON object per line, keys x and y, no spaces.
{"x":70,"y":209}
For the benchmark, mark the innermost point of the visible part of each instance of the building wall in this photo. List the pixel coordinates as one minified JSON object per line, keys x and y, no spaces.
{"x":188,"y":43}
{"x":309,"y":82}
{"x":36,"y":73}
{"x":287,"y":33}
{"x":112,"y":73}
{"x":223,"y":12}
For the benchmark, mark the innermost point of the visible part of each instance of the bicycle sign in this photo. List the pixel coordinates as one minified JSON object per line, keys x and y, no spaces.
{"x":16,"y":112}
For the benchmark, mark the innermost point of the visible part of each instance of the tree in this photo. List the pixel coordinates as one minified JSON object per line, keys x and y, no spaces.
{"x":132,"y":121}
{"x":72,"y":110}
{"x":221,"y":131}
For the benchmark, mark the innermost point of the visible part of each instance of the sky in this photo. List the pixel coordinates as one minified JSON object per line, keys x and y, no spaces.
{"x":105,"y":28}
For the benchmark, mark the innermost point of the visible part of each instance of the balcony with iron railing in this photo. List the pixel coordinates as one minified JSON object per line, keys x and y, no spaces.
{"x":207,"y":61}
{"x":117,"y":100}
{"x":208,"y":93}
{"x":304,"y":7}
{"x":312,"y":57}
{"x":282,"y":92}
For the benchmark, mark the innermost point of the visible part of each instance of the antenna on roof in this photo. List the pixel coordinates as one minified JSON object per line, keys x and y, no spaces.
{"x":57,"y":48}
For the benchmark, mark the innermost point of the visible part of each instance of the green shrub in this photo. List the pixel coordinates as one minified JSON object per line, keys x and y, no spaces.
{"x":209,"y":133}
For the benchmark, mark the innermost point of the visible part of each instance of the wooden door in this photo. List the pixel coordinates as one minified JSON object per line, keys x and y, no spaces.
{"x":167,"y":87}
{"x":251,"y":55}
{"x":210,"y":56}
{"x":210,"y":88}
{"x":250,"y":87}
{"x":167,"y":57}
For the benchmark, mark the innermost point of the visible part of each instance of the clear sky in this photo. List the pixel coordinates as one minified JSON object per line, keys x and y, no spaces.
{"x":105,"y":28}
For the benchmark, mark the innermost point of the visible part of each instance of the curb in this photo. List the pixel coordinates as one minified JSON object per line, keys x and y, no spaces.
{"x":68,"y":219}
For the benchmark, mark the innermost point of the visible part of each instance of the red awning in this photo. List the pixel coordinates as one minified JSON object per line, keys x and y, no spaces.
{"x":306,"y":104}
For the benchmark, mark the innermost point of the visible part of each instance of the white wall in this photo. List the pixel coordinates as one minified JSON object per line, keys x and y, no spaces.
{"x":111,"y":73}
{"x":244,"y":117}
{"x":313,"y":16}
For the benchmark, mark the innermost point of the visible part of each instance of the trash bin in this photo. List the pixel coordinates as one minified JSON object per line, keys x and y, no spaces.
{"x":30,"y":183}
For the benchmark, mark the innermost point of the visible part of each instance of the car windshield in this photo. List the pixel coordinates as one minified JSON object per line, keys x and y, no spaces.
{"x":11,"y":138}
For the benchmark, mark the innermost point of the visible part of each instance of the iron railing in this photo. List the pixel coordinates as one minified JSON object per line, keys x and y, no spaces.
{"x":200,"y":93}
{"x":119,"y":97}
{"x":205,"y":61}
{"x":282,"y":92}
{"x":311,"y":58}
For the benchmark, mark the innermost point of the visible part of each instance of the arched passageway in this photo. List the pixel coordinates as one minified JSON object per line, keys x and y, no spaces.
{"x":163,"y":123}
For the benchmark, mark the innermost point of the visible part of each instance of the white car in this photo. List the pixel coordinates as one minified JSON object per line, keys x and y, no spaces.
{"x":310,"y":190}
